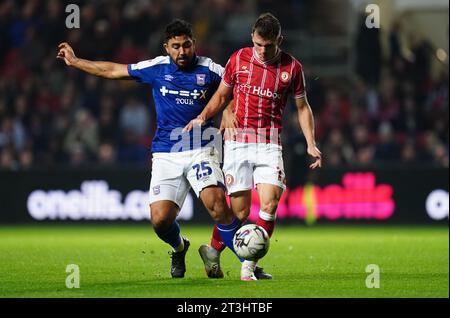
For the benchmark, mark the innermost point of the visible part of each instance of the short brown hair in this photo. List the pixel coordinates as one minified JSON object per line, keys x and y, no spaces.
{"x":267,"y":26}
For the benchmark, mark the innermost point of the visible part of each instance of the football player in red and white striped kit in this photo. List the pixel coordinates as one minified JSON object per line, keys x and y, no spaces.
{"x":261,"y":78}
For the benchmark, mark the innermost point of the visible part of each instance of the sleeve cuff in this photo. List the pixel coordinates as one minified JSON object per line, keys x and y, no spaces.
{"x":129,"y":70}
{"x":226,"y":84}
{"x":300,"y":96}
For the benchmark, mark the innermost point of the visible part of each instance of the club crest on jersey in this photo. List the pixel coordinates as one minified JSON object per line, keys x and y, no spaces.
{"x":201,"y":79}
{"x":284,"y":77}
{"x":229,"y":179}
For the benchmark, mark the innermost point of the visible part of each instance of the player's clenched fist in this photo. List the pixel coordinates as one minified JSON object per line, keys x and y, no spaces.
{"x":66,"y":53}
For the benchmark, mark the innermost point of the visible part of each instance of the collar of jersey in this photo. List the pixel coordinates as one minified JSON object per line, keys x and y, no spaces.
{"x":272,"y":60}
{"x":174,"y":66}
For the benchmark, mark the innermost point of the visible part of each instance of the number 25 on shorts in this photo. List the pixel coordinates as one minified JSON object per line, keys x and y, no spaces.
{"x":202,"y":170}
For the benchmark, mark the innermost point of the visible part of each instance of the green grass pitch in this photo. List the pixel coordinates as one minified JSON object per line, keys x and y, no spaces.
{"x":130,"y":261}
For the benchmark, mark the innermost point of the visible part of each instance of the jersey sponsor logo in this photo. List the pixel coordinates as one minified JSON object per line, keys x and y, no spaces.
{"x":284,"y":77}
{"x":168,"y":77}
{"x":195,"y":94}
{"x":201,"y":79}
{"x":156,"y":190}
{"x":184,"y":101}
{"x":265,"y":92}
{"x":256,"y":90}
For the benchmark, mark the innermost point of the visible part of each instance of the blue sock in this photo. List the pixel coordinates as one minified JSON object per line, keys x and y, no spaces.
{"x":171,"y":235}
{"x":227,"y":233}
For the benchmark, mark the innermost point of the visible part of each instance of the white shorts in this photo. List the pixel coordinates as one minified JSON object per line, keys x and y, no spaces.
{"x":174,"y":173}
{"x":248,"y":163}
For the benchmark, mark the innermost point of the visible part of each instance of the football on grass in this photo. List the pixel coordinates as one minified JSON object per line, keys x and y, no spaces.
{"x":251,"y":242}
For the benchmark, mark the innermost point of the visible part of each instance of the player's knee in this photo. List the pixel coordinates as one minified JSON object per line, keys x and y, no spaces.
{"x":159,"y":220}
{"x":225,"y":216}
{"x":219,"y":211}
{"x":270,"y":206}
{"x":161,"y":224}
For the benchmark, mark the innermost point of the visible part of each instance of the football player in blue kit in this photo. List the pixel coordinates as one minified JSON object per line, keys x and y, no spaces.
{"x":182,"y":84}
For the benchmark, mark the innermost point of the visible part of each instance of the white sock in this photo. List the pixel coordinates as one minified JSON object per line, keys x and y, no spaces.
{"x":250,"y":264}
{"x":180,"y":247}
{"x":267,"y":216}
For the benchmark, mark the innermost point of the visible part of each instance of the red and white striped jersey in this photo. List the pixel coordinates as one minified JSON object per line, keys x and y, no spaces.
{"x":260,"y":92}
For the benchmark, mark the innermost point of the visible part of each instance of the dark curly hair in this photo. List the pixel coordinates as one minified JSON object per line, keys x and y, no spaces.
{"x":176,"y":28}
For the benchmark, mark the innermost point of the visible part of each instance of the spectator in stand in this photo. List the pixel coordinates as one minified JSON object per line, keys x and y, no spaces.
{"x":387,"y":148}
{"x":81,"y":141}
{"x":40,"y":100}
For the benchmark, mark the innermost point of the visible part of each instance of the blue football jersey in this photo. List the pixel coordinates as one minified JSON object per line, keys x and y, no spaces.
{"x":180,"y":95}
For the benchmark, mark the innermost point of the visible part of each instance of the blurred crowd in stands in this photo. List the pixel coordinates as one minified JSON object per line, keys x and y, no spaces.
{"x":392,"y":111}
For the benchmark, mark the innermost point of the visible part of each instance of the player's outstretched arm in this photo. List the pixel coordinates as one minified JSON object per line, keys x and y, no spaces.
{"x":306,"y":119}
{"x":214,"y":105}
{"x":97,"y":68}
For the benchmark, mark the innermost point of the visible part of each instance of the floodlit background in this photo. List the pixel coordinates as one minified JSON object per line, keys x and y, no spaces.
{"x":74,"y":148}
{"x":380,"y":96}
